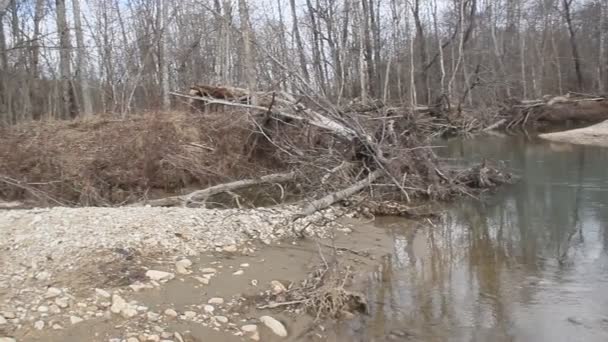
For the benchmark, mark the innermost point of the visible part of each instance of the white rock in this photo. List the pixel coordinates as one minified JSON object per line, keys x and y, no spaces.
{"x":39,"y":325}
{"x":178,"y":337}
{"x":152,"y":316}
{"x":255,"y":336}
{"x":277,"y":287}
{"x":139,"y":286}
{"x":57,"y":327}
{"x":239,"y":272}
{"x":118,"y":304}
{"x":54,"y":309}
{"x":209,"y":270}
{"x":7,"y":339}
{"x":254,"y":282}
{"x":43,"y":308}
{"x":189,"y":314}
{"x":249,"y":328}
{"x":171,"y":313}
{"x":208,"y":308}
{"x":44,"y":275}
{"x":277,"y":327}
{"x":128,"y":312}
{"x":216,"y":300}
{"x":63,"y":302}
{"x":230,"y":248}
{"x":132,"y":339}
{"x":7,"y":314}
{"x":52,"y":292}
{"x":2,"y":320}
{"x":75,"y":319}
{"x":185,"y":263}
{"x":221,"y":319}
{"x":202,"y":280}
{"x":102,"y":293}
{"x":245,"y":265}
{"x":159,"y":275}
{"x":153,"y":338}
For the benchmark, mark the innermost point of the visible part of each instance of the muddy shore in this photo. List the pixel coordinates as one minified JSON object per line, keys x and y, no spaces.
{"x":183,"y":288}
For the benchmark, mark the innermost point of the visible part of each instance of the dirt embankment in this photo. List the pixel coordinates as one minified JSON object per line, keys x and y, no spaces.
{"x":596,"y":135}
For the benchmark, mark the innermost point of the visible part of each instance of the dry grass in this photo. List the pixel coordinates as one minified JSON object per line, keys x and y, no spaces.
{"x":98,"y":161}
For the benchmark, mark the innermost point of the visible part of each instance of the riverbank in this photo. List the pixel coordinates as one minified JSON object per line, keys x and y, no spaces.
{"x":596,"y":135}
{"x":146,"y":274}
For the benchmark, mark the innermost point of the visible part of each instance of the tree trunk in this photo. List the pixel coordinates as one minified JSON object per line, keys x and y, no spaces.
{"x":81,"y":62}
{"x":163,"y":59}
{"x":249,"y":65}
{"x":573,"y":45}
{"x":67,"y":109}
{"x":299,"y":44}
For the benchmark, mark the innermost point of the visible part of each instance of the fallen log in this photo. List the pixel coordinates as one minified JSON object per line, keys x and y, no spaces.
{"x":202,"y":195}
{"x":332,"y":198}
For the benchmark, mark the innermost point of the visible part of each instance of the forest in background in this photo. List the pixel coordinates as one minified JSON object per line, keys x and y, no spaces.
{"x":71,"y":58}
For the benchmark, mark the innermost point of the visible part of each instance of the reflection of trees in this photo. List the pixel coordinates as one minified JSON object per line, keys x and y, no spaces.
{"x":481,"y":254}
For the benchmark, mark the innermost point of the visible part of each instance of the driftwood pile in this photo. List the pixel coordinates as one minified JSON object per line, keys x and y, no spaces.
{"x":334,"y":153}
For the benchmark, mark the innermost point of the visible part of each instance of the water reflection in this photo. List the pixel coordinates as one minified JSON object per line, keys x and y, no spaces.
{"x":529,"y":263}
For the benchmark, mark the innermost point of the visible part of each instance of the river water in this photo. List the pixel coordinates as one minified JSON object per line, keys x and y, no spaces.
{"x":528,"y":263}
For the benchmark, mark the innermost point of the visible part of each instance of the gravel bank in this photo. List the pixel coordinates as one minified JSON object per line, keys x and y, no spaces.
{"x":46,"y":240}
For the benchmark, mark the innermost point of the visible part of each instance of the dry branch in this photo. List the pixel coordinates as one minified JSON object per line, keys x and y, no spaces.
{"x":202,"y":195}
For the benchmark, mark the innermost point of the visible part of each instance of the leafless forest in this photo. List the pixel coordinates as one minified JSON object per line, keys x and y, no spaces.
{"x":63,"y":59}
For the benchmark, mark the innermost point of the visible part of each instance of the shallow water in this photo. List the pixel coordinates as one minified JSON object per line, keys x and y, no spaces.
{"x":529,"y":263}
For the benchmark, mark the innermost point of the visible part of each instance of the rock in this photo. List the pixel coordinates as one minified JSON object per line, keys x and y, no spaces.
{"x":248,"y":328}
{"x":255,"y":336}
{"x":7,"y":339}
{"x":221,"y":319}
{"x":277,"y":287}
{"x":39,"y":325}
{"x":254,"y":282}
{"x":230,"y":248}
{"x":102,"y":293}
{"x":7,"y":314}
{"x":54,"y":309}
{"x":170,"y":313}
{"x":128,"y":312}
{"x":153,"y":338}
{"x":202,"y":280}
{"x":166,"y":334}
{"x":189,"y":314}
{"x":239,"y":272}
{"x":2,"y":320}
{"x":132,"y":339}
{"x":57,"y":327}
{"x":159,"y":275}
{"x":136,"y":287}
{"x":43,"y":308}
{"x":208,"y":308}
{"x":277,"y":327}
{"x":216,"y":301}
{"x":244,"y":265}
{"x":185,"y":263}
{"x":63,"y":302}
{"x":178,"y":337}
{"x":209,"y":270}
{"x":118,"y":304}
{"x":44,"y":275}
{"x":75,"y":319}
{"x":52,"y":292}
{"x":152,"y":316}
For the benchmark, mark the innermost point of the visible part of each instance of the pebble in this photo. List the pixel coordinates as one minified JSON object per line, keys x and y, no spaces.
{"x":185,"y":263}
{"x":57,"y":327}
{"x":63,"y":302}
{"x":209,"y":270}
{"x":75,"y":319}
{"x":43,"y":308}
{"x":7,"y":314}
{"x":245,"y":265}
{"x":52,"y":292}
{"x":208,"y":308}
{"x":249,"y":328}
{"x":221,"y":319}
{"x":132,"y":339}
{"x":2,"y":320}
{"x":216,"y":301}
{"x":102,"y":293}
{"x":202,"y":280}
{"x":277,"y":287}
{"x":139,"y":286}
{"x":39,"y":325}
{"x":239,"y":272}
{"x":152,"y":316}
{"x":7,"y":339}
{"x":44,"y":275}
{"x":230,"y":249}
{"x":190,"y":314}
{"x":171,"y":313}
{"x":159,"y":275}
{"x":118,"y":304}
{"x":54,"y":309}
{"x":277,"y":327}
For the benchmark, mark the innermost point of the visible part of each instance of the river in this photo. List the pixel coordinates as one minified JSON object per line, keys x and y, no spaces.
{"x":528,"y":263}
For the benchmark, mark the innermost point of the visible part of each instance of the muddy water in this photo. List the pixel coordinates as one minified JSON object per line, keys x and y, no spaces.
{"x":529,"y":263}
